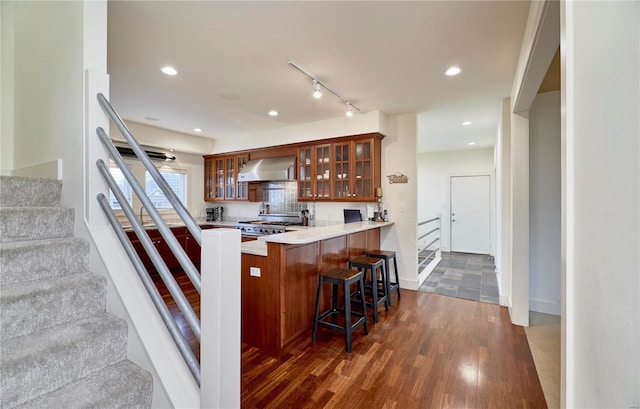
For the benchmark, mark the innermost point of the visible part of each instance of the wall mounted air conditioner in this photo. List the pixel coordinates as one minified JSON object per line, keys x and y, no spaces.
{"x":159,"y":156}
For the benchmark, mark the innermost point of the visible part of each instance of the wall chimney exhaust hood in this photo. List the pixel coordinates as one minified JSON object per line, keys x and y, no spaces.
{"x":268,"y":169}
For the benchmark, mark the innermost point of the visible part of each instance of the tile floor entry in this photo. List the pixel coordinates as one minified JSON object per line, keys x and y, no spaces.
{"x":464,"y":275}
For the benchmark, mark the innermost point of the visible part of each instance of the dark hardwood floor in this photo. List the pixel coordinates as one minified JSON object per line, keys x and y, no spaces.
{"x":428,"y":351}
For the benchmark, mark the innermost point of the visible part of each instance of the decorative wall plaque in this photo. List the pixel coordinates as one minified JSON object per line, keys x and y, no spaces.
{"x":398,"y":178}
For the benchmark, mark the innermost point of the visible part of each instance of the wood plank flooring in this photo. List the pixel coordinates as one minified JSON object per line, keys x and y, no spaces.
{"x":428,"y":351}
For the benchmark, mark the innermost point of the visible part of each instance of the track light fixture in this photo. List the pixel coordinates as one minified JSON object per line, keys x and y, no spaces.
{"x":317,"y":92}
{"x":349,"y":111}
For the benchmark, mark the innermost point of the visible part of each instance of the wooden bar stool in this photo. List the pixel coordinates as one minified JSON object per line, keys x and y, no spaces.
{"x":387,"y":256}
{"x":340,"y":277}
{"x":373,"y":265}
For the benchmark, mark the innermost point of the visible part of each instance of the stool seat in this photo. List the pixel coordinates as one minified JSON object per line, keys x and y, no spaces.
{"x":345,"y":278}
{"x":387,"y":256}
{"x":373,"y":265}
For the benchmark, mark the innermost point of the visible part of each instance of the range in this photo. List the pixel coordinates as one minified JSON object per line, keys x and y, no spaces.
{"x":267,"y":224}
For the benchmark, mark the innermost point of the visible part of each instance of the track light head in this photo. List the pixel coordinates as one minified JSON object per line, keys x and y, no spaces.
{"x":316,"y":89}
{"x":349,"y":112}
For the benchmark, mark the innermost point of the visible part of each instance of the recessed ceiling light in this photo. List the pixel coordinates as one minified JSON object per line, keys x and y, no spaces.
{"x":451,"y":71}
{"x":170,"y":150}
{"x":197,"y":129}
{"x":169,"y":70}
{"x":273,"y":112}
{"x":466,"y":123}
{"x":471,"y":143}
{"x":150,"y":118}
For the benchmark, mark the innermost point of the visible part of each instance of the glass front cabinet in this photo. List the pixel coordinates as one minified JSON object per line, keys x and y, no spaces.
{"x":355,"y":163}
{"x":314,"y":173}
{"x":221,"y":178}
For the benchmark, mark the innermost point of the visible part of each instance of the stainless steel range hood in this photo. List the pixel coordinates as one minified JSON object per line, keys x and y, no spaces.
{"x":268,"y":169}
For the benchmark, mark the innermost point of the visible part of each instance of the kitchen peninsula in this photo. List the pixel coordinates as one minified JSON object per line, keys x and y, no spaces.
{"x":280,"y":275}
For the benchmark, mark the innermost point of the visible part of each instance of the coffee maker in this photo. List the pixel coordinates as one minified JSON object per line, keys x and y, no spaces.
{"x":214,"y":214}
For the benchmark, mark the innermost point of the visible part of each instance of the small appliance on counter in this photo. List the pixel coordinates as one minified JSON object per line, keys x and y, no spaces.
{"x":214,"y":214}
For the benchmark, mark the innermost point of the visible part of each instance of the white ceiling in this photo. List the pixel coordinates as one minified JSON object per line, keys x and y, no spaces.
{"x":388,"y":56}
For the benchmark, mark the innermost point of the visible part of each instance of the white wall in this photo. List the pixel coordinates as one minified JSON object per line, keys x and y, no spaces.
{"x":6,"y":86}
{"x":503,"y":200}
{"x":544,"y":203}
{"x":51,"y":44}
{"x":401,"y":199}
{"x":601,"y":157}
{"x":434,"y":172}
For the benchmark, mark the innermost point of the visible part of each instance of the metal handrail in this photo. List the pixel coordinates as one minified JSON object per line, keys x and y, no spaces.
{"x":156,"y":298}
{"x":177,"y":250}
{"x":432,"y":252}
{"x":429,"y":221}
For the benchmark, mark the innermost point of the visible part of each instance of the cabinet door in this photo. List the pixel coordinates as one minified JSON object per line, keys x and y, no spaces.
{"x":137,"y":245}
{"x":322,"y":155}
{"x":362,"y":168}
{"x":305,"y":182}
{"x":209,"y":192}
{"x":242,"y":190}
{"x":218,"y":178}
{"x":342,"y":171}
{"x":230,"y":178}
{"x":192,"y":248}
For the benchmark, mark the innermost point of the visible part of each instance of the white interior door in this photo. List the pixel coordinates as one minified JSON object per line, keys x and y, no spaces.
{"x":471,"y":214}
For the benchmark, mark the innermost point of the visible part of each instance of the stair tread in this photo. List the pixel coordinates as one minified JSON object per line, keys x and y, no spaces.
{"x":43,"y":361}
{"x":24,"y":261}
{"x":35,"y":305}
{"x":27,"y":191}
{"x":111,"y":387}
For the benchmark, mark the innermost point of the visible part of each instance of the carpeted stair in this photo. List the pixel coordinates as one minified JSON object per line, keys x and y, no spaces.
{"x":58,"y":346}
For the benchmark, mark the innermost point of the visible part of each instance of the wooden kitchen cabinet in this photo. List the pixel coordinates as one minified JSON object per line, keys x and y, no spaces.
{"x":314,"y":173}
{"x":342,"y":169}
{"x":356,"y":172}
{"x":221,"y":178}
{"x":161,"y":245}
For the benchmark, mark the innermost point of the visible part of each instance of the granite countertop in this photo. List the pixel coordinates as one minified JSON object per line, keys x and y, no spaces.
{"x":304,"y":234}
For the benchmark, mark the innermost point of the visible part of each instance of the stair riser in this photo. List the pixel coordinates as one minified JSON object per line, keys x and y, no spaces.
{"x":45,"y":303}
{"x":44,"y":259}
{"x":29,"y":192}
{"x":40,"y":363}
{"x":35,"y":223}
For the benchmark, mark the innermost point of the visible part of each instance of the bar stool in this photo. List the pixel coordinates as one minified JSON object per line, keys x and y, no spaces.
{"x":372,"y":265}
{"x":340,"y":277}
{"x":387,"y":256}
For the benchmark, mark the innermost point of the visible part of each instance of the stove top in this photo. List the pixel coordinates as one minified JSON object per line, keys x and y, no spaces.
{"x":267,"y":224}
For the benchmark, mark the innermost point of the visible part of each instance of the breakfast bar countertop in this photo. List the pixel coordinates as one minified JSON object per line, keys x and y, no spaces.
{"x":304,"y":235}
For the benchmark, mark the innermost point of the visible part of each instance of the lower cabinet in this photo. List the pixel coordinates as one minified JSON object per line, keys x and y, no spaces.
{"x":185,"y":239}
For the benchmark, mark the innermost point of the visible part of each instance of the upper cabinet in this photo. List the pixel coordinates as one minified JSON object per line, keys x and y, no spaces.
{"x":314,"y":172}
{"x":221,"y":178}
{"x":337,"y":169}
{"x":356,"y":170}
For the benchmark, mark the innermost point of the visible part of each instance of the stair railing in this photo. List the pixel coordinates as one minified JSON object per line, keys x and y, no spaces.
{"x":425,"y":252}
{"x":177,"y":250}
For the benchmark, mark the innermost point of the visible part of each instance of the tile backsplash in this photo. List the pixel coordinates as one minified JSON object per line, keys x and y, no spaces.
{"x":280,"y":198}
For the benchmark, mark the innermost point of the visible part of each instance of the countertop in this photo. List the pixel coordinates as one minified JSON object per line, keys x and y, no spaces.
{"x":307,"y":234}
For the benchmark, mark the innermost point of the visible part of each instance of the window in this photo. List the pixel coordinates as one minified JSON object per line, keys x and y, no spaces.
{"x":177,"y":180}
{"x":124,"y":187}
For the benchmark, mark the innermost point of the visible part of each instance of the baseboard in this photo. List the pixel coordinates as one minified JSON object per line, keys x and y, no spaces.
{"x":48,"y":170}
{"x":545,"y":307}
{"x":504,"y":300}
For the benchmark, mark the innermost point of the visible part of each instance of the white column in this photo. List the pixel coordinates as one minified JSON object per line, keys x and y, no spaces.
{"x":601,"y":204}
{"x":220,"y":319}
